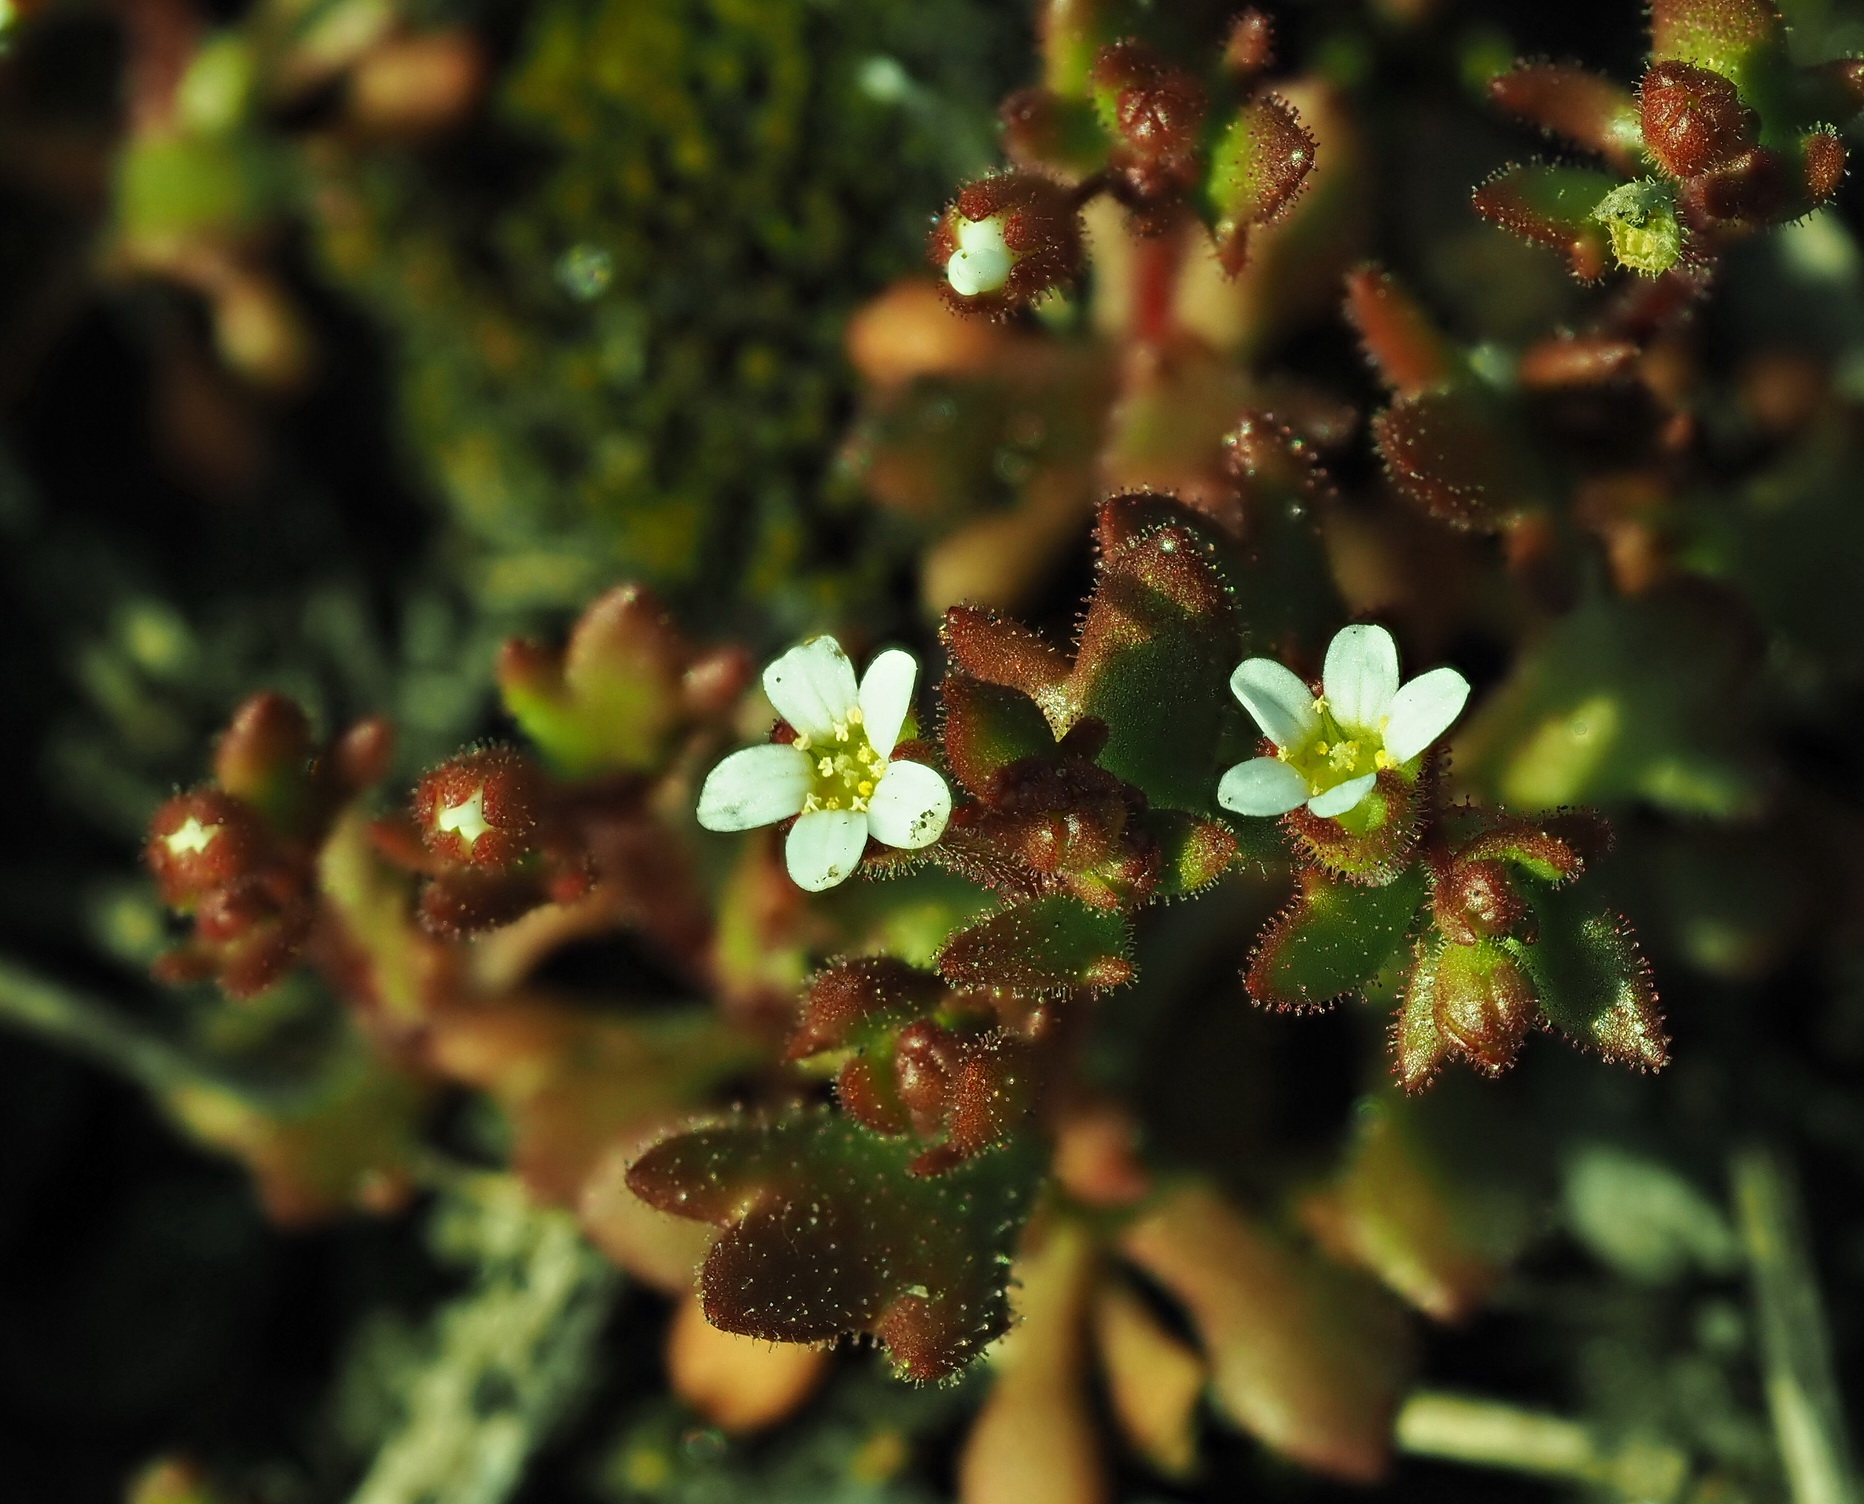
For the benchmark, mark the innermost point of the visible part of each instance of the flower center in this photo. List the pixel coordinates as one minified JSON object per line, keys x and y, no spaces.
{"x":192,"y":838}
{"x":1335,"y":754}
{"x":847,"y":768}
{"x":467,"y":819}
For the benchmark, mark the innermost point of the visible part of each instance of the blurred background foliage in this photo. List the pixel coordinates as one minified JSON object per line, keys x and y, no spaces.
{"x":341,"y":340}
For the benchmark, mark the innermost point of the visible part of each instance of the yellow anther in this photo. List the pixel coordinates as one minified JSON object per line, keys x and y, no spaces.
{"x":826,"y":767}
{"x":864,"y":788}
{"x":854,"y":716}
{"x":1383,"y":759}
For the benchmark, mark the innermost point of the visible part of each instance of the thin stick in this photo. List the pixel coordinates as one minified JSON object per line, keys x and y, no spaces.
{"x":1796,"y":1355}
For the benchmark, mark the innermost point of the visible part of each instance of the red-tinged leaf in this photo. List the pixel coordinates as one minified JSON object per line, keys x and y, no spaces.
{"x":1333,"y":940}
{"x":1304,"y":1355}
{"x":1054,"y":944}
{"x":849,"y":1004}
{"x":1576,"y":361}
{"x":1418,"y":1046}
{"x":986,"y":728}
{"x":1193,"y":852}
{"x":1552,"y":206}
{"x":1413,"y":356}
{"x":1258,"y":166}
{"x":1456,"y":454}
{"x":1160,"y":630}
{"x":264,"y":759}
{"x":828,"y":1232}
{"x":987,"y":647}
{"x":1587,"y":108}
{"x":1823,"y":156}
{"x":1483,"y":1002}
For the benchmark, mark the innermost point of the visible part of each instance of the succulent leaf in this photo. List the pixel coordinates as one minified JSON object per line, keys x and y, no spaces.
{"x":1333,"y":940}
{"x":828,"y":1232}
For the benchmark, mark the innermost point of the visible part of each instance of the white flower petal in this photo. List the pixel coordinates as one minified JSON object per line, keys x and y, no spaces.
{"x":886,"y":696}
{"x":824,"y":847}
{"x":1361,"y":676}
{"x":910,"y":807}
{"x":758,"y":786}
{"x":1262,"y":786}
{"x":1423,"y":710}
{"x":812,"y":686}
{"x":1282,"y":705}
{"x":1342,"y":796}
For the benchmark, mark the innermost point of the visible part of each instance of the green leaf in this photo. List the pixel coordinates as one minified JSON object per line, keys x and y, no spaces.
{"x":1623,"y":700}
{"x":1552,"y":206}
{"x":987,"y":727}
{"x":1592,"y":980}
{"x":1157,"y":648}
{"x":1054,"y":944}
{"x":1195,"y":852}
{"x":828,"y":1232}
{"x":1334,"y":939}
{"x":1258,"y":165}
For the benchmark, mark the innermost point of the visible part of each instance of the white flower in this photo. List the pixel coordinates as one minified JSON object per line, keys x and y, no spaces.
{"x":836,"y":775}
{"x":1329,"y":750}
{"x":983,"y":260}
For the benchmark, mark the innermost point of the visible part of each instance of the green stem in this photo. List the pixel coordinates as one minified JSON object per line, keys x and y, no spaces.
{"x":1487,"y":1433}
{"x":1796,"y":1357}
{"x":90,"y":1028}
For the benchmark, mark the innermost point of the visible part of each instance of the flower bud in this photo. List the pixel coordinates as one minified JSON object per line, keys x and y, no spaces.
{"x":1005,"y":241}
{"x":200,"y":841}
{"x":481,"y":809}
{"x":1482,"y":1003}
{"x":1250,"y":47}
{"x":925,"y":1059}
{"x":264,"y":755}
{"x":1474,"y":901}
{"x":1156,"y":115}
{"x":1694,"y":120}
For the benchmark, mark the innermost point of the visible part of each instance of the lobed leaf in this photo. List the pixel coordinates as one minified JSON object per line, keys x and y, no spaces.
{"x":1456,"y":453}
{"x":1592,"y":981}
{"x":1333,"y":940}
{"x":1161,"y":631}
{"x":1552,"y":206}
{"x":1053,"y":944}
{"x":828,"y":1232}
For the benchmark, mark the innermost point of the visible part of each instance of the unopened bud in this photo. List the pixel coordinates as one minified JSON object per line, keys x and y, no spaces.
{"x":1475,"y":901}
{"x":924,"y":1061}
{"x":200,"y":841}
{"x":1251,"y":44}
{"x":1694,"y":120}
{"x":1007,"y":240}
{"x":482,"y":809}
{"x":1483,"y":1004}
{"x":264,"y":754}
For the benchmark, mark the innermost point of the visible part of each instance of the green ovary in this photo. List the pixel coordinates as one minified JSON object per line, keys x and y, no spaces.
{"x":1335,"y":754}
{"x":847,"y":768}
